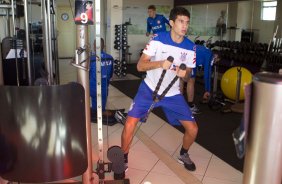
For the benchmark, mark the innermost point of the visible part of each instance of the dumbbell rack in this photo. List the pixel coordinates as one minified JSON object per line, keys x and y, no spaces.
{"x":121,"y":45}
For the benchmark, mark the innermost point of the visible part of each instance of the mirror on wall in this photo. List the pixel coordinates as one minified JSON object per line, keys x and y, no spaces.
{"x":232,"y":21}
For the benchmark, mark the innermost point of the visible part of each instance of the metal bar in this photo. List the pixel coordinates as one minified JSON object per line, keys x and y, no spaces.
{"x":1,"y":69}
{"x":263,"y":155}
{"x":27,"y":43}
{"x":45,"y":39}
{"x":13,"y":16}
{"x":5,"y":6}
{"x":238,"y":84}
{"x":82,"y":63}
{"x":14,"y":40}
{"x":215,"y":78}
{"x":49,"y":32}
{"x":55,"y":44}
{"x":83,"y":79}
{"x":98,"y":78}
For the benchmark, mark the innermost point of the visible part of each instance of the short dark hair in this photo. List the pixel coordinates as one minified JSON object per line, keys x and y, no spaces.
{"x":152,"y":7}
{"x":178,"y":11}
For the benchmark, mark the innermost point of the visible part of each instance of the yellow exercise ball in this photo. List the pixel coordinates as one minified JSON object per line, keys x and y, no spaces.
{"x":229,"y":82}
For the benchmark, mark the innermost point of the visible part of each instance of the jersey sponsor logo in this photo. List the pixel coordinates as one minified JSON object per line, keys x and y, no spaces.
{"x":183,"y":56}
{"x":106,"y":63}
{"x":157,"y":27}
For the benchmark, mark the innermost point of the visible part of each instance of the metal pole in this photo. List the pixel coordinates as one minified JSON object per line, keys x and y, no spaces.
{"x":263,"y":160}
{"x":215,"y":78}
{"x":13,"y":16}
{"x":1,"y":69}
{"x":27,"y":43}
{"x":49,"y":32}
{"x":238,"y":84}
{"x":55,"y":44}
{"x":83,"y":79}
{"x":98,"y":78}
{"x":46,"y":39}
{"x":14,"y":41}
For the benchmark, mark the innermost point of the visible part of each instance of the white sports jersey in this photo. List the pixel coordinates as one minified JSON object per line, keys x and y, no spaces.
{"x":160,"y":48}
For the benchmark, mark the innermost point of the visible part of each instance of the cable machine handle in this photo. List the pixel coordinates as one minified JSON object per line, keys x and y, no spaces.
{"x":170,"y":58}
{"x":181,"y":67}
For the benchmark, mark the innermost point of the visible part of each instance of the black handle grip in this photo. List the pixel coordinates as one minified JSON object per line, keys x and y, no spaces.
{"x":182,"y":66}
{"x":170,"y":58}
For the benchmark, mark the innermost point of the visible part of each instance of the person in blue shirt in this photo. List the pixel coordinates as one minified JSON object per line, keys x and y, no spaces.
{"x":106,"y":75}
{"x":204,"y":58}
{"x":155,"y":22}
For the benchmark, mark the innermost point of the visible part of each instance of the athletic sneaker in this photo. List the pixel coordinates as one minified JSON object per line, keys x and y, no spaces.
{"x":195,"y":109}
{"x":120,"y":117}
{"x":187,"y":162}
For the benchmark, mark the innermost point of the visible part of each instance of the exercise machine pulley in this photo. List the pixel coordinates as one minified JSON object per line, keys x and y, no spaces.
{"x":83,"y":18}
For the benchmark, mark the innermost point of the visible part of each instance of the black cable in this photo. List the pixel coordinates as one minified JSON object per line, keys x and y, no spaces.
{"x":181,"y":67}
{"x":170,"y":58}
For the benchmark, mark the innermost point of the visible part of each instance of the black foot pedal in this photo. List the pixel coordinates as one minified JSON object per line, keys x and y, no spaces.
{"x":239,"y":141}
{"x":116,"y":156}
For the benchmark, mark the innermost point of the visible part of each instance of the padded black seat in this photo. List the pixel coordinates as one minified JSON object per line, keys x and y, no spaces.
{"x":42,"y":133}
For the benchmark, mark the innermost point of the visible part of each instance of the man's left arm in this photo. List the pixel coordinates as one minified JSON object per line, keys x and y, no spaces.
{"x":166,"y":21}
{"x":149,"y":28}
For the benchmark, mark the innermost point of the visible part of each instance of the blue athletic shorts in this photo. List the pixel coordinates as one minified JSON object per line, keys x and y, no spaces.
{"x":174,"y":107}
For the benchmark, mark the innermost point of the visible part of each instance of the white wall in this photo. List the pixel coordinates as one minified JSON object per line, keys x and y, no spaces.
{"x":244,"y":18}
{"x":264,"y":29}
{"x":278,"y":20}
{"x":233,"y":30}
{"x":114,"y":17}
{"x":66,"y":32}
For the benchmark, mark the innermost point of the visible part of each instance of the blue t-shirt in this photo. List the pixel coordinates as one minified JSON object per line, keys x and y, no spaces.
{"x":204,"y":57}
{"x":156,"y":24}
{"x":106,"y":75}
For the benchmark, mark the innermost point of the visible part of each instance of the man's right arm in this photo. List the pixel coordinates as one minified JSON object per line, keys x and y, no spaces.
{"x":145,"y":64}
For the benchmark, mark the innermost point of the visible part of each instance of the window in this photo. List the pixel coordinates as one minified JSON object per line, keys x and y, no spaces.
{"x":268,"y":10}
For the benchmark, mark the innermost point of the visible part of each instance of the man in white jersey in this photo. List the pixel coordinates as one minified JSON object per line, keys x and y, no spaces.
{"x":154,"y":61}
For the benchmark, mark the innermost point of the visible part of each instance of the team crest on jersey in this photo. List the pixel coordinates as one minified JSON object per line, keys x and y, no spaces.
{"x":183,"y":56}
{"x":159,"y":22}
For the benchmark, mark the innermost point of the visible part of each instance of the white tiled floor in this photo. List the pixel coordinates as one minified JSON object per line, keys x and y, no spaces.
{"x":144,"y":164}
